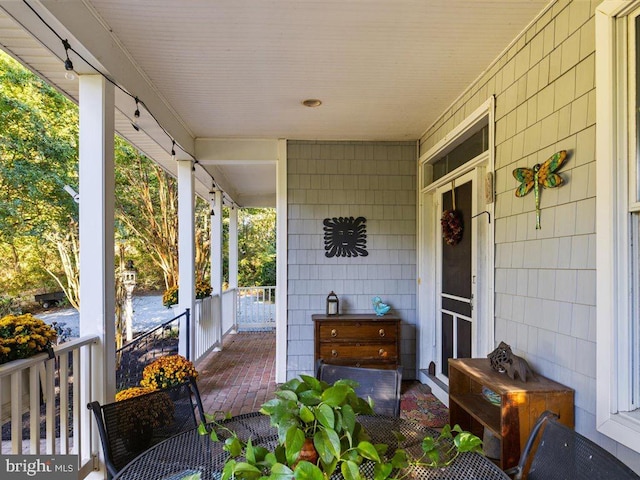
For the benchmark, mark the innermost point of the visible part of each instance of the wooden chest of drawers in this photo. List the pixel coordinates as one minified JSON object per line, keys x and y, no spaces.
{"x":362,"y":340}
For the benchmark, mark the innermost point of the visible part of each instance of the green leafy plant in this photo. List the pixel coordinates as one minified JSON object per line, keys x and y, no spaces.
{"x":442,"y":450}
{"x":307,"y":410}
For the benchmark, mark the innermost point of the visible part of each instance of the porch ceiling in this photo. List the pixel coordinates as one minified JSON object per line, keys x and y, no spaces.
{"x":384,"y":69}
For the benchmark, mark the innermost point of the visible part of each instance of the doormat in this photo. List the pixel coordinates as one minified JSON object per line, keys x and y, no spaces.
{"x":419,"y":405}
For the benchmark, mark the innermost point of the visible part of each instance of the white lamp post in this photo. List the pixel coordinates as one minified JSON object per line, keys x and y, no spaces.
{"x":129,"y":278}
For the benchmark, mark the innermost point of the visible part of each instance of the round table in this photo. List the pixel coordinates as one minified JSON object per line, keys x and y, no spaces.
{"x":190,"y":452}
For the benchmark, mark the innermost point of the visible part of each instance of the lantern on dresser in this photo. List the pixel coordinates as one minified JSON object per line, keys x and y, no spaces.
{"x":333,"y":304}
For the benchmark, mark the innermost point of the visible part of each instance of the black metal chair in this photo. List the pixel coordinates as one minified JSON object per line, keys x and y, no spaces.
{"x":129,"y":427}
{"x":382,"y":385}
{"x":562,"y":453}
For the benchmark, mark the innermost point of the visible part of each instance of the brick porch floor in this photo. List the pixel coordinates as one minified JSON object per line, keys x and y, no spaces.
{"x":241,"y":377}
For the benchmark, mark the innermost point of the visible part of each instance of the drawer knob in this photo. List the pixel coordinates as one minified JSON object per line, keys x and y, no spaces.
{"x":381,"y":332}
{"x":357,"y":364}
{"x":334,"y":353}
{"x":334,"y":332}
{"x":382,"y":352}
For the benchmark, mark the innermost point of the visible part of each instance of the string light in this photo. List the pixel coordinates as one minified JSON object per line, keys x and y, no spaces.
{"x":68,"y":64}
{"x":70,"y":75}
{"x":136,"y":116}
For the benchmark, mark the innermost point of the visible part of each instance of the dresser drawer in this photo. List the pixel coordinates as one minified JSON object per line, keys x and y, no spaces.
{"x":354,"y":331}
{"x":362,"y":340}
{"x":363,"y":351}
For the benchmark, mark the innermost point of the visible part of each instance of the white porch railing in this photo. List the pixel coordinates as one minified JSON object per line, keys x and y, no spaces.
{"x":207,"y":331}
{"x":256,"y":308}
{"x":64,"y":383}
{"x":213,"y":318}
{"x":229,"y":312}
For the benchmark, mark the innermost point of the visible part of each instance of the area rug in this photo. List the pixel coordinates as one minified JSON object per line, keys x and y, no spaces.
{"x":419,"y":405}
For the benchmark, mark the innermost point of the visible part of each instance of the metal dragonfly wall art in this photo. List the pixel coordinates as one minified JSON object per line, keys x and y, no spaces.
{"x":540,"y":175}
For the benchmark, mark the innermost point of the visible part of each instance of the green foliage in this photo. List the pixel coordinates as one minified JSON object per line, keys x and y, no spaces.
{"x":9,"y":306}
{"x":442,"y":450}
{"x":257,"y":247}
{"x":307,"y":408}
{"x":38,"y":156}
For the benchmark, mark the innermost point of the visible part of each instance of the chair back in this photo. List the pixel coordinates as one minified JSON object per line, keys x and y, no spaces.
{"x":563,"y":453}
{"x":129,"y":427}
{"x":382,"y":385}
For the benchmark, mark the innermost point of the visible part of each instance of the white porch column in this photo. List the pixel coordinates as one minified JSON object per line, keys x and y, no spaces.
{"x":186,"y":254}
{"x":216,"y":258}
{"x":233,"y":248}
{"x":216,"y":243}
{"x":97,"y":191}
{"x":233,"y":264}
{"x":281,"y":271}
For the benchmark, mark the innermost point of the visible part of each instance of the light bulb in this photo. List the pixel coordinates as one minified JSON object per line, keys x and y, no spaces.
{"x":69,"y":75}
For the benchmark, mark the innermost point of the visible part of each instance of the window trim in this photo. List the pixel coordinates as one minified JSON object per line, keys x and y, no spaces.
{"x":613,"y":258}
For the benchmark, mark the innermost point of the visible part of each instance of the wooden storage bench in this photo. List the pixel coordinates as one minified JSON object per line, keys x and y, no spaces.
{"x":521,"y":403}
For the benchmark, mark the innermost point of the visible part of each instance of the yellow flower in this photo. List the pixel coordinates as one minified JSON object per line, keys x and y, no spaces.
{"x":157,"y":411}
{"x":132,"y":392}
{"x":22,"y":336}
{"x":167,"y":372}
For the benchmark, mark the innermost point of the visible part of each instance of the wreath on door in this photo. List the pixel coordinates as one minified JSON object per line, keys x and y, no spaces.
{"x":451,"y":227}
{"x":451,"y":222}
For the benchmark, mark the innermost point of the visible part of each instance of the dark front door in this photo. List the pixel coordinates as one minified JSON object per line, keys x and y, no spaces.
{"x":456,"y":292}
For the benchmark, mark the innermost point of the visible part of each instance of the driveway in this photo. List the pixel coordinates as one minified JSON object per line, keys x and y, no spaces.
{"x":148,"y":312}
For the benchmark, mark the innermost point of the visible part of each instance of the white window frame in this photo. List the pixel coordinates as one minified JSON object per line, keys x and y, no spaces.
{"x":616,"y":362}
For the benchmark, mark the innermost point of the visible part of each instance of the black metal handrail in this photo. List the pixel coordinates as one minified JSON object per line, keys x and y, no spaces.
{"x":145,"y":348}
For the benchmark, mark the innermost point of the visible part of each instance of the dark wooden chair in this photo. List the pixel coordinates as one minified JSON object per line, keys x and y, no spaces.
{"x":554,"y":451}
{"x":382,"y":385}
{"x":129,"y":427}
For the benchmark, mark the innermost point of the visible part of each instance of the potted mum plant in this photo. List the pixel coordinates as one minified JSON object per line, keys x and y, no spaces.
{"x":170,"y":296}
{"x":167,"y":371}
{"x":144,"y":416}
{"x":21,"y":336}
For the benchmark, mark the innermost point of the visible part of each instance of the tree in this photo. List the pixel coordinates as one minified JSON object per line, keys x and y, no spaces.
{"x":257,"y":247}
{"x":68,"y":244}
{"x":38,"y":156}
{"x":147,"y":208}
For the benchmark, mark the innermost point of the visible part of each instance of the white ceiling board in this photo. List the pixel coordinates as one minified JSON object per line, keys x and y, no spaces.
{"x":384,"y":69}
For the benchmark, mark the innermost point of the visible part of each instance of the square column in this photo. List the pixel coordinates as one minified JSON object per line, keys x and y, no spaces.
{"x":233,"y":248}
{"x":216,"y":243}
{"x":96,"y":220}
{"x":186,"y":254}
{"x":233,"y":264}
{"x":216,"y":259}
